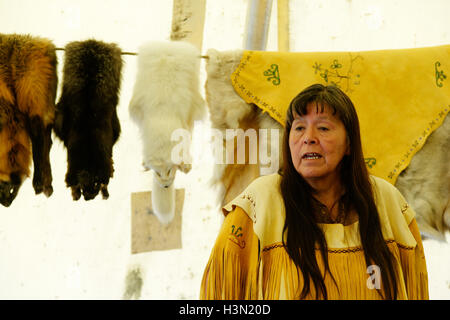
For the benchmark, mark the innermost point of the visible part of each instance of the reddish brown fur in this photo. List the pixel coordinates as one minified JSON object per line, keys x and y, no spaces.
{"x":35,"y":77}
{"x":28,"y":84}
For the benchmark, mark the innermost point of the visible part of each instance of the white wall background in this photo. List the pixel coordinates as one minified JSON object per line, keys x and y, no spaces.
{"x":59,"y":249}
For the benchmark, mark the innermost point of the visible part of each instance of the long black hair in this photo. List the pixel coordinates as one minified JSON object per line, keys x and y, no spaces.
{"x":301,"y":228}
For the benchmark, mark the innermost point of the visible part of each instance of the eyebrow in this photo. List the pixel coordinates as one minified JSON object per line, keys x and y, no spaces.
{"x":299,"y":118}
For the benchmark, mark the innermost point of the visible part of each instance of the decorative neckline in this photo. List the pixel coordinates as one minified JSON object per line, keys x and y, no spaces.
{"x":322,"y":213}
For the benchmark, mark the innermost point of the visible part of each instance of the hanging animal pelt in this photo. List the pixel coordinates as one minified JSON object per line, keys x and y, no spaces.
{"x":86,"y":118}
{"x":165,"y":103}
{"x":228,"y":110}
{"x":425,"y":183}
{"x":166,"y":97}
{"x":28,"y":83}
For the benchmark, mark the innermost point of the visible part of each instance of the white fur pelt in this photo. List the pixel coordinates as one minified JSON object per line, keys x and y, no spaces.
{"x":166,"y":98}
{"x":426,"y":183}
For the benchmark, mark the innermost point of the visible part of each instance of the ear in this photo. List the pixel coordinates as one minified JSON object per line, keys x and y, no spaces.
{"x":146,"y":168}
{"x":184,"y":167}
{"x":347,"y":149}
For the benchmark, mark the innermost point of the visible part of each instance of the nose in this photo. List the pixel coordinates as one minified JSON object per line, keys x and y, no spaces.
{"x":309,"y":137}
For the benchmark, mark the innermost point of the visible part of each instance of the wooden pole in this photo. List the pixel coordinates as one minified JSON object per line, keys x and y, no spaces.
{"x":283,"y":25}
{"x":188,"y":21}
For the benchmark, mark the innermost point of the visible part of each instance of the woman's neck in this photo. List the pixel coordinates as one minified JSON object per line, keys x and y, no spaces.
{"x":327,"y":191}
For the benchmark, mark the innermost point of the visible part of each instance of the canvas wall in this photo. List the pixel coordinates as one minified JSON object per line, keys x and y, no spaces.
{"x":59,"y":249}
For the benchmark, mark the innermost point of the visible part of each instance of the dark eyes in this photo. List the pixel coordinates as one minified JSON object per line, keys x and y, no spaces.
{"x":300,"y":128}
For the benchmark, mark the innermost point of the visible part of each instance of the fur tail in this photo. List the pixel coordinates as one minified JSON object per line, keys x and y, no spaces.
{"x":163,"y":202}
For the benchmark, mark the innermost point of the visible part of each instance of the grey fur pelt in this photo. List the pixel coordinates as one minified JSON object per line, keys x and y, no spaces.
{"x":86,"y":118}
{"x":425,"y":183}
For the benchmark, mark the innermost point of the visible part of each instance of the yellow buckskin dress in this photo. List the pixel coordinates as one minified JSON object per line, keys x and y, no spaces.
{"x":248,"y":260}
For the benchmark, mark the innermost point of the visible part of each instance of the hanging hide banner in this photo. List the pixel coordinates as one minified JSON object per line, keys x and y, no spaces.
{"x":28,"y":83}
{"x":86,"y":117}
{"x":387,"y":97}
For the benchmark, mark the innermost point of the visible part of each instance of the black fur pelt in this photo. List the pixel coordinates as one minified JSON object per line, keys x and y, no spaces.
{"x":28,"y":83}
{"x":86,"y":118}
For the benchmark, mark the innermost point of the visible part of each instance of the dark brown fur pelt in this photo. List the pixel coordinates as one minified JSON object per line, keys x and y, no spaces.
{"x":86,"y":118}
{"x":28,"y":83}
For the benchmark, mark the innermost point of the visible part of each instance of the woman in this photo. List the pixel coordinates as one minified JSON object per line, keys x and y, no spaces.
{"x":323,"y":228}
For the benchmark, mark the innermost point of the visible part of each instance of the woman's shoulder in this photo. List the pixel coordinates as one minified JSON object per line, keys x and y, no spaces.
{"x":260,"y":195}
{"x":381,"y":183}
{"x":393,"y":208}
{"x":267,"y":182}
{"x":263,"y":203}
{"x":263,"y":187}
{"x":385,"y":191}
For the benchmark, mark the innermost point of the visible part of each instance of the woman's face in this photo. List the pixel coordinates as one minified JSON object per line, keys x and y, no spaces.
{"x":318,"y":142}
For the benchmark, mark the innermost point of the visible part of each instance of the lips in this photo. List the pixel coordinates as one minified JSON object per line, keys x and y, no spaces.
{"x":311,"y":156}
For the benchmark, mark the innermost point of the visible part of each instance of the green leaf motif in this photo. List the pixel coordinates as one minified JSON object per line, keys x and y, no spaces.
{"x":370,"y":162}
{"x":273,"y":74}
{"x":317,"y":67}
{"x":440,"y":75}
{"x":336,"y":65}
{"x":338,"y":74}
{"x":236,"y":232}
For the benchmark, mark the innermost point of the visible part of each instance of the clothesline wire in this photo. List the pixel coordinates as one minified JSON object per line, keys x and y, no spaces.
{"x":128,"y":53}
{"x":132,"y":53}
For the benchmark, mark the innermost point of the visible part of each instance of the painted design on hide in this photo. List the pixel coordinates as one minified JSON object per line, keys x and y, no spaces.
{"x":235,"y":235}
{"x":336,"y":74}
{"x":404,"y":208}
{"x":370,"y":162}
{"x":342,"y":250}
{"x":249,"y":93}
{"x":273,"y":74}
{"x":440,"y":75}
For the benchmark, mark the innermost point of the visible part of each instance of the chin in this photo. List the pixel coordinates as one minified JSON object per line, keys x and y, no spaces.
{"x":312,"y":174}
